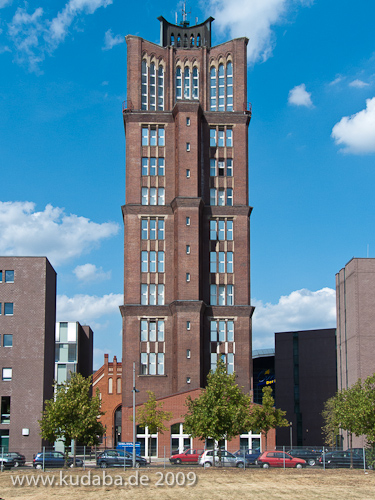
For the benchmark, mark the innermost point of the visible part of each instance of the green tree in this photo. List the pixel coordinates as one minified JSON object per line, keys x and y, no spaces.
{"x":152,"y":416}
{"x":266,"y":417}
{"x":222,"y":409}
{"x":72,"y":414}
{"x":330,"y":429}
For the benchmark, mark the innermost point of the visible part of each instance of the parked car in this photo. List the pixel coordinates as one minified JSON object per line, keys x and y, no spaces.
{"x":17,"y":457}
{"x":54,"y":459}
{"x":311,"y":457}
{"x":249,"y":455}
{"x":336,"y":459}
{"x":188,"y":456}
{"x":117,"y":458}
{"x":6,"y":462}
{"x":227,"y":459}
{"x":276,"y":458}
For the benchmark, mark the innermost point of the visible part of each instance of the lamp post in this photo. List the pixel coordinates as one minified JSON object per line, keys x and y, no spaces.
{"x":291,"y":434}
{"x":134,"y":391}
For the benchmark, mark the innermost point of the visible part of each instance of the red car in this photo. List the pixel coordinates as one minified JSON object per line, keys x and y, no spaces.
{"x":188,"y":456}
{"x":276,"y":458}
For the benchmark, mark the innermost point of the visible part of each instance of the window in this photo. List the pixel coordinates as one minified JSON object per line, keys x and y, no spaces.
{"x":221,"y":229}
{"x":221,"y":87}
{"x":160,"y":166}
{"x":229,"y":86}
{"x":188,"y":173}
{"x":187,"y":325}
{"x":9,"y":276}
{"x":228,"y":359}
{"x":149,"y":227}
{"x":188,"y":353}
{"x":188,"y":221}
{"x":195,"y":83}
{"x":212,"y":262}
{"x":213,"y":89}
{"x":153,"y":137}
{"x":213,"y":137}
{"x":152,"y":86}
{"x":5,"y":410}
{"x":229,"y":197}
{"x":8,"y":309}
{"x":187,"y":249}
{"x":161,"y":137}
{"x":153,"y":196}
{"x":118,"y":385}
{"x":188,"y":146}
{"x":152,"y":330}
{"x":152,"y":363}
{"x":222,"y":330}
{"x":7,"y":374}
{"x":229,"y":141}
{"x":152,"y":294}
{"x":188,"y":122}
{"x":221,"y":168}
{"x":1,"y":276}
{"x":145,"y":136}
{"x":221,"y":197}
{"x":144,"y":166}
{"x":187,"y":277}
{"x":222,"y":295}
{"x":188,"y":380}
{"x":178,"y":83}
{"x":229,"y":167}
{"x":187,"y":82}
{"x":221,"y":141}
{"x":7,"y":340}
{"x":0,"y":308}
{"x":110,"y":385}
{"x":160,"y":87}
{"x":144,"y":85}
{"x":212,"y":167}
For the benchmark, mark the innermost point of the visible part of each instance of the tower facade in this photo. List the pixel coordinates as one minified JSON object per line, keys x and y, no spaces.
{"x":186,"y":216}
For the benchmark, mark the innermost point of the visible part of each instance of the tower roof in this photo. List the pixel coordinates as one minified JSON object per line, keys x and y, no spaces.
{"x":185,"y":36}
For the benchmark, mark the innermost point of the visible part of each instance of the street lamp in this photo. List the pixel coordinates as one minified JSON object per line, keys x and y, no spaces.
{"x":134,"y":390}
{"x":291,"y":434}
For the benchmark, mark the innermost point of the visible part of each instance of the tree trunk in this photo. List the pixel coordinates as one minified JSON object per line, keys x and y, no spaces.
{"x":74,"y":452}
{"x":351,"y":449}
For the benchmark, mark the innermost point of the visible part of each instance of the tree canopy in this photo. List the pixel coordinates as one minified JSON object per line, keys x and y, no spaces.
{"x":72,"y":414}
{"x":222,"y":409}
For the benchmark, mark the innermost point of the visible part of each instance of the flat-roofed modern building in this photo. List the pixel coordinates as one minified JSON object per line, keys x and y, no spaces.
{"x":27,"y":349}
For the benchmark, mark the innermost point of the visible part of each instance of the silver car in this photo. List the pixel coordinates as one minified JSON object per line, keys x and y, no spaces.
{"x":227,"y":459}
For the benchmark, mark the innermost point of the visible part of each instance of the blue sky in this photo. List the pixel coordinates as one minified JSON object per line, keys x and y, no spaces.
{"x":311,"y":81}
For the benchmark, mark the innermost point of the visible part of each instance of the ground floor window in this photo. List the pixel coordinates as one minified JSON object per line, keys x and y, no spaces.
{"x":4,"y":440}
{"x":118,"y":416}
{"x":250,"y":440}
{"x":180,"y":441}
{"x":149,"y":442}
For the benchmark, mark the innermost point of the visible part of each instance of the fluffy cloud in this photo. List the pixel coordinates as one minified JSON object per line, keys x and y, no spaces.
{"x":357,"y":132}
{"x":87,"y":308}
{"x":33,"y":36}
{"x":359,"y":84}
{"x":253,"y":19}
{"x":110,"y":41}
{"x":89,"y":272}
{"x":4,"y":3}
{"x":299,"y":96}
{"x":50,"y":232}
{"x":301,"y":310}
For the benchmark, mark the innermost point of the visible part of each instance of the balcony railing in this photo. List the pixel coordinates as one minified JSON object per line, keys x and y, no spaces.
{"x":247,"y":108}
{"x":127,"y":106}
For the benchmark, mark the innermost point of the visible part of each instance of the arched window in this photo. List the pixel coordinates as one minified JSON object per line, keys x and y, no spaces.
{"x":178,"y":83}
{"x":118,"y":383}
{"x":192,"y":40}
{"x":198,"y":40}
{"x":144,"y":84}
{"x":213,"y":89}
{"x":195,"y":83}
{"x":161,"y":87}
{"x":186,"y":83}
{"x":178,"y":40}
{"x":152,"y":87}
{"x":221,"y":88}
{"x":185,"y":40}
{"x":229,"y":86}
{"x":172,"y":39}
{"x":110,"y":385}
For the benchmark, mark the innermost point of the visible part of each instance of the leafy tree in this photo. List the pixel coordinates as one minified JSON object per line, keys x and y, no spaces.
{"x":152,"y":416}
{"x":72,"y":414}
{"x":222,"y":409}
{"x":330,"y":429}
{"x":266,"y":416}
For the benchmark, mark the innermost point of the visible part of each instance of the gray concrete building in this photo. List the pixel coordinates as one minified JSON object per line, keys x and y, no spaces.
{"x":27,"y":345}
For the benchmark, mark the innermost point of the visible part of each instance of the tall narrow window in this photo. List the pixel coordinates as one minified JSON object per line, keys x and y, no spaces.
{"x":213,"y":196}
{"x":212,"y":167}
{"x":161,"y":229}
{"x":221,"y":230}
{"x":178,"y":83}
{"x":144,"y":166}
{"x":186,"y":83}
{"x":152,"y":261}
{"x":161,"y":196}
{"x":221,"y":88}
{"x":144,"y":136}
{"x":144,"y":262}
{"x":229,"y":197}
{"x":229,"y":167}
{"x":212,"y":262}
{"x":221,"y":198}
{"x":144,"y":200}
{"x":229,"y":137}
{"x":213,"y":137}
{"x":153,"y":229}
{"x":152,"y":87}
{"x":229,"y":262}
{"x":213,"y":89}
{"x":153,"y":137}
{"x":195,"y":83}
{"x":160,"y":262}
{"x":153,"y":191}
{"x":160,"y":87}
{"x":221,"y":142}
{"x":229,"y":86}
{"x":161,"y":137}
{"x":230,"y":230}
{"x":160,"y":166}
{"x":144,"y":84}
{"x":152,"y":166}
{"x":221,"y":262}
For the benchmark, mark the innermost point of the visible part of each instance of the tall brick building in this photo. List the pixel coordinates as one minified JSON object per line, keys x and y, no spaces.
{"x":186,"y":217}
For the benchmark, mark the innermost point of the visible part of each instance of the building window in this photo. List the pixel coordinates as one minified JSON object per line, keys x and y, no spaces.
{"x":152,"y":229}
{"x":7,"y":374}
{"x":152,"y":330}
{"x":5,"y":410}
{"x":152,"y":363}
{"x":229,"y":197}
{"x":213,"y":137}
{"x":188,"y":221}
{"x":221,"y":229}
{"x":187,"y":86}
{"x":178,"y":83}
{"x":8,"y":308}
{"x":221,"y":87}
{"x":229,"y":140}
{"x":213,"y":89}
{"x":187,"y":277}
{"x":187,"y":325}
{"x":152,"y":90}
{"x":186,"y":83}
{"x":229,"y":88}
{"x":229,"y":167}
{"x":222,"y":295}
{"x":188,"y":353}
{"x":1,"y":276}
{"x":188,"y":122}
{"x":187,"y":249}
{"x":152,"y":294}
{"x":221,"y":197}
{"x":195,"y":83}
{"x":222,"y":330}
{"x":152,"y":87}
{"x":152,"y":261}
{"x":221,"y":142}
{"x":144,"y":84}
{"x":9,"y":276}
{"x":161,"y":136}
{"x":188,"y":380}
{"x":153,"y":196}
{"x":160,"y":87}
{"x":153,"y":136}
{"x":7,"y":340}
{"x":118,"y":385}
{"x":110,"y":386}
{"x":152,"y":166}
{"x":228,"y":359}
{"x":188,"y":146}
{"x":188,"y":173}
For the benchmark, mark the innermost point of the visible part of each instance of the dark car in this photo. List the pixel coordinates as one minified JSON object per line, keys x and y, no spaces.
{"x":250,"y":455}
{"x":6,"y":462}
{"x":336,"y":459}
{"x":119,"y":458}
{"x":187,"y":457}
{"x":277,"y":458}
{"x":311,"y":457}
{"x":17,"y":457}
{"x":54,"y":459}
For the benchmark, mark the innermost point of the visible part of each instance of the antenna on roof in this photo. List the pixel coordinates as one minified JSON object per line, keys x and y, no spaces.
{"x":184,"y":21}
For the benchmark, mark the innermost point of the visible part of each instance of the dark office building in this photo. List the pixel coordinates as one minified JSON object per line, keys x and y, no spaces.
{"x":305,"y":369}
{"x":263,"y":372}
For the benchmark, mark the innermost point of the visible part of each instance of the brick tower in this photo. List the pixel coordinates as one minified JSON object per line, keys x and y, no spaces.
{"x":186,"y":217}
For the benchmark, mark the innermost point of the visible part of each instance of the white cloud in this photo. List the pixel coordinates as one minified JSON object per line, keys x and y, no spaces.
{"x":300,"y":97}
{"x":359,"y":84}
{"x":336,"y":80}
{"x":110,"y":41}
{"x":33,"y":36}
{"x":87,"y":308}
{"x":89,"y":272}
{"x":301,"y":310}
{"x":357,"y":132}
{"x":51,"y":232}
{"x":5,"y":3}
{"x":253,"y":19}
